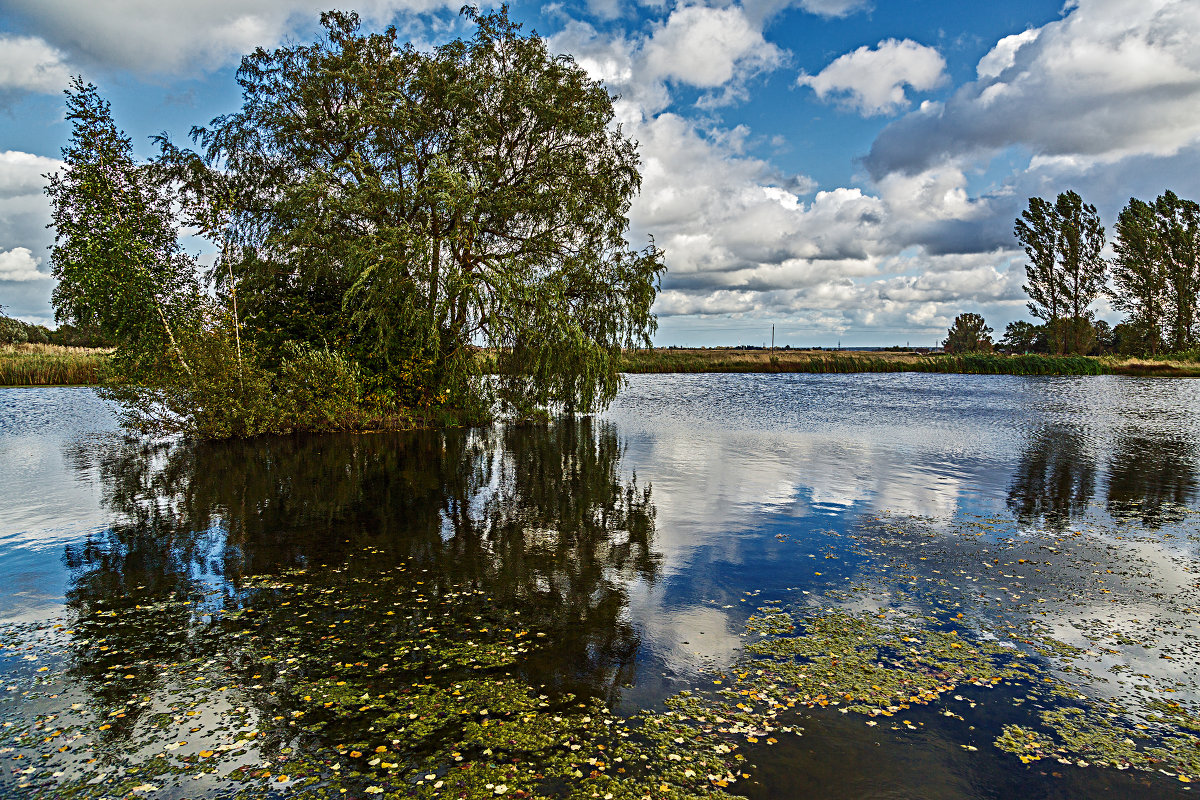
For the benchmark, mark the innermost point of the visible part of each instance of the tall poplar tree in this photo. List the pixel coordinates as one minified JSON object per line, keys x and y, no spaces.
{"x":1178,"y":230}
{"x":1080,"y":240}
{"x":1156,"y":270}
{"x":1065,"y":272}
{"x":1037,"y":231}
{"x":1139,"y":271}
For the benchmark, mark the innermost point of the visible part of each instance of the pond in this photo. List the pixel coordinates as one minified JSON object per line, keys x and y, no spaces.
{"x":771,"y":586}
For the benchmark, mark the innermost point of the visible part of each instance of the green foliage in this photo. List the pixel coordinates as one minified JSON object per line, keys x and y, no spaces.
{"x":84,"y":336}
{"x":13,"y":331}
{"x":1134,"y":339}
{"x":400,"y":206}
{"x":232,"y":395}
{"x":317,"y":390}
{"x":222,"y":397}
{"x":1024,"y":337}
{"x":1037,"y":232}
{"x":1102,"y":334}
{"x":116,"y":255}
{"x":969,"y":334}
{"x":1139,"y":277}
{"x":1065,"y":271}
{"x":1080,"y":240}
{"x":380,"y":213}
{"x":991,"y":364}
{"x":1156,"y":270}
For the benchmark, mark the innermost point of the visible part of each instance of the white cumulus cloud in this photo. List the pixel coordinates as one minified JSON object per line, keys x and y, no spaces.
{"x":1004,"y":54}
{"x":704,"y":47}
{"x":28,"y":63}
{"x":1113,"y":79}
{"x":19,"y":264}
{"x":22,"y":173}
{"x":183,"y":36}
{"x":874,"y":81}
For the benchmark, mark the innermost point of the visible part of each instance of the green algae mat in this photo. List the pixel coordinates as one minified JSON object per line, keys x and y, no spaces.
{"x":362,"y":682}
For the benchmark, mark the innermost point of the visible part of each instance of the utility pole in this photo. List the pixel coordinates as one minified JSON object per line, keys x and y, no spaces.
{"x":772,"y":337}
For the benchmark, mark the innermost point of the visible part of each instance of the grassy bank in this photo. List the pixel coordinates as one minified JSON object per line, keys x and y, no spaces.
{"x":820,"y":361}
{"x":51,"y":365}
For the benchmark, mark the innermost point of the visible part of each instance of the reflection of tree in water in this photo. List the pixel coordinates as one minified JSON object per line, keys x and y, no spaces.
{"x":1055,"y":479}
{"x":538,"y":518}
{"x":1151,"y":477}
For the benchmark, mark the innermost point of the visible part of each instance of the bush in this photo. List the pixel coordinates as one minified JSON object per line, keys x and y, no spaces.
{"x":13,"y":331}
{"x":221,"y":395}
{"x":82,"y":336}
{"x":230,"y":397}
{"x":317,"y":390}
{"x":969,"y":334}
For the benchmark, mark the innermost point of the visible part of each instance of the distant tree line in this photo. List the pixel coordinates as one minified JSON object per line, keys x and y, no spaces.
{"x":15,"y":331}
{"x":1154,"y":277}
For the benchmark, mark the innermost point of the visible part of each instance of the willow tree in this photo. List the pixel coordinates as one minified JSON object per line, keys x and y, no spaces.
{"x":410,"y":207}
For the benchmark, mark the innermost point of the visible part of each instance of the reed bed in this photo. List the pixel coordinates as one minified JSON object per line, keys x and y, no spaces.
{"x":55,"y":365}
{"x":51,"y":365}
{"x":662,"y":361}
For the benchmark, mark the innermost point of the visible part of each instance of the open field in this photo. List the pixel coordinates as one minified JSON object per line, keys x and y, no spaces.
{"x":825,"y":361}
{"x":51,"y":365}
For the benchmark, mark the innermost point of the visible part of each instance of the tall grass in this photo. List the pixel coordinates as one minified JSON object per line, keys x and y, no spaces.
{"x":51,"y":365}
{"x":645,"y":361}
{"x":992,"y":364}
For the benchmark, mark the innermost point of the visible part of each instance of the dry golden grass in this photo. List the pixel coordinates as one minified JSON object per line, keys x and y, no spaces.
{"x":51,"y":365}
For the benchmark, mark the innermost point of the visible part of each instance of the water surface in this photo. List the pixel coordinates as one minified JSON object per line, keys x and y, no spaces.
{"x":632,"y":549}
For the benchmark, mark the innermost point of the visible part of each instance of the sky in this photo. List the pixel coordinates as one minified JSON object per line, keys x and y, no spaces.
{"x":847,"y":171}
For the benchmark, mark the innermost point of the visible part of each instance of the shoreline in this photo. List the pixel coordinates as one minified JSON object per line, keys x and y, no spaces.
{"x":49,"y":365}
{"x":697,"y":360}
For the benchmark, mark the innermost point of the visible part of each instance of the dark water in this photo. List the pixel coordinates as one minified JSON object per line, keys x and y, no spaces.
{"x":637,"y":544}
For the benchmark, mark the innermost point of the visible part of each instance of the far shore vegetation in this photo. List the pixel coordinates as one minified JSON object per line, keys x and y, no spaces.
{"x":53,"y":365}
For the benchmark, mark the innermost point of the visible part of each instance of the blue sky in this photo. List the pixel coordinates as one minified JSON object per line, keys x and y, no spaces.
{"x":845,"y":170}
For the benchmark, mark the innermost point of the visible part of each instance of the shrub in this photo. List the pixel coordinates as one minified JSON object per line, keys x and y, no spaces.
{"x":219,"y":395}
{"x":12,"y":331}
{"x":317,"y":390}
{"x":970,"y":334}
